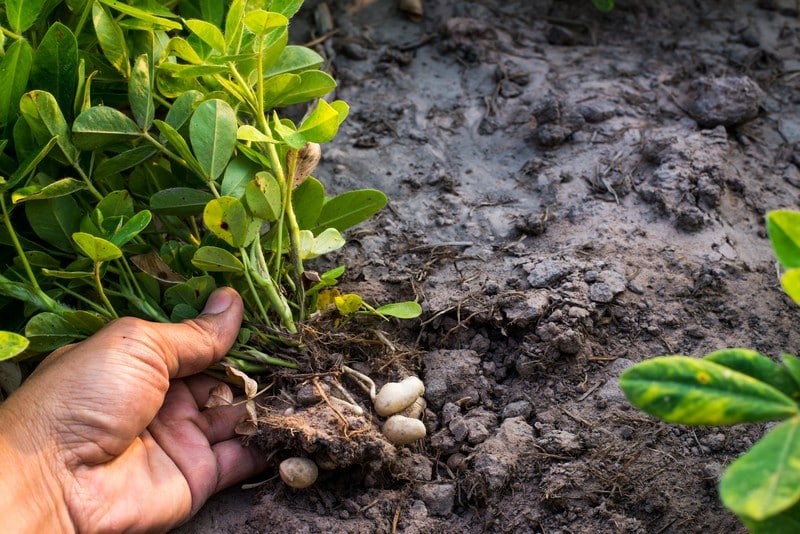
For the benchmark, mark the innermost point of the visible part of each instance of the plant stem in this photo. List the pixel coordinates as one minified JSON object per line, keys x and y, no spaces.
{"x":9,"y":33}
{"x":249,"y":279}
{"x":18,"y":246}
{"x":89,"y":302}
{"x":294,"y":251}
{"x":89,"y":185}
{"x":99,"y":286}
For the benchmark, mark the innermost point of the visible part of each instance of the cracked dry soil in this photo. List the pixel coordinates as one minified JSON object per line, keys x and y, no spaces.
{"x":571,"y":192}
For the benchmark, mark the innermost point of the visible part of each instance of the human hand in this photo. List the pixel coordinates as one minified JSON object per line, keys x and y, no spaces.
{"x":110,"y":434}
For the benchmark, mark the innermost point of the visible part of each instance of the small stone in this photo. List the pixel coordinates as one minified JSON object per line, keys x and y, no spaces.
{"x":413,"y":466}
{"x":496,"y":458}
{"x":590,"y":277}
{"x":615,"y":281}
{"x":457,"y":462}
{"x":438,"y":498}
{"x":547,"y":272}
{"x":520,"y":408}
{"x":577,"y":312}
{"x":458,"y":427}
{"x":561,"y":442}
{"x":595,"y":113}
{"x":601,"y":293}
{"x":725,"y":101}
{"x":569,"y":342}
{"x":525,"y":312}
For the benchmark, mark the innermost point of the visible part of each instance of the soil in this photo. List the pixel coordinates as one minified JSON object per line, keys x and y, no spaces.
{"x":571,"y":192}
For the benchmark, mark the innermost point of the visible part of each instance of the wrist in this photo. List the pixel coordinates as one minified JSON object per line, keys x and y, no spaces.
{"x":32,"y":494}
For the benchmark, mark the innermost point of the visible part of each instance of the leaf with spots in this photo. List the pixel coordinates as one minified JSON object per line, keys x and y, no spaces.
{"x":227,"y":219}
{"x":691,"y":391}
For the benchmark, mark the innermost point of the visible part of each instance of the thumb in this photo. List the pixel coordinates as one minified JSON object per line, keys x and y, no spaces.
{"x":189,"y":347}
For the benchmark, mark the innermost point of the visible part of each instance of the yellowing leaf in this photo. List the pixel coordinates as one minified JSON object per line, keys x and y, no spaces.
{"x":348,"y":303}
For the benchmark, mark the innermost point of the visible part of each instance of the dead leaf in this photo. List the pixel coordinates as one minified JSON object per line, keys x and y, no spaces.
{"x":307,"y":160}
{"x":152,"y":264}
{"x":249,"y":385}
{"x":220,"y":395}
{"x":248,"y":425}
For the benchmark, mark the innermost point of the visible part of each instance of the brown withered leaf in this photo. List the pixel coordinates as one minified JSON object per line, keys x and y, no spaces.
{"x":220,"y":395}
{"x":248,"y":425}
{"x":249,"y":385}
{"x":152,"y":264}
{"x":307,"y":160}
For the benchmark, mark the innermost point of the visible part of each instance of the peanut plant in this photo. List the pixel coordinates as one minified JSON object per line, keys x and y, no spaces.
{"x":145,"y":160}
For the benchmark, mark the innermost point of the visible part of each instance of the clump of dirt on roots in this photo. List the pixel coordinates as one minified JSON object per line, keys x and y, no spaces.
{"x":325,"y":413}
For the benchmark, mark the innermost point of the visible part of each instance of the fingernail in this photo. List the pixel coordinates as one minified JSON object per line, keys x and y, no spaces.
{"x":219,"y":301}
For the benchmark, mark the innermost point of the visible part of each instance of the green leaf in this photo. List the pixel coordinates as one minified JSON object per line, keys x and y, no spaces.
{"x":312,"y":84}
{"x":179,"y":71}
{"x":150,"y":18}
{"x":15,"y":69}
{"x":212,"y":11}
{"x":181,"y":48}
{"x":121,"y":162}
{"x":791,"y":284}
{"x":323,"y":123}
{"x":226,"y":218}
{"x":758,"y":366}
{"x":115,"y":204}
{"x":212,"y":131}
{"x":54,"y":220}
{"x":182,"y":109}
{"x":253,"y":134}
{"x":792,"y":364}
{"x":295,"y":58}
{"x":48,"y":331}
{"x":785,"y":522}
{"x":140,"y":92}
{"x":349,"y":209}
{"x":401,"y":310}
{"x":261,"y":22}
{"x":11,"y":345}
{"x":67,"y":275}
{"x":111,"y":39}
{"x":85,"y":322}
{"x":22,"y":14}
{"x":783,"y":228}
{"x":311,"y":247}
{"x":765,"y":480}
{"x":279,"y":87}
{"x":43,"y":106}
{"x":60,"y":188}
{"x":55,"y":66}
{"x":603,"y":5}
{"x":193,"y":292}
{"x":133,"y":227}
{"x":234,"y":22}
{"x":102,"y":125}
{"x":96,"y":248}
{"x":208,"y":33}
{"x":679,"y":389}
{"x":180,"y":201}
{"x":307,"y":200}
{"x":178,"y":143}
{"x":238,"y":173}
{"x":286,"y":8}
{"x":263,"y":196}
{"x":215,"y":259}
{"x":31,"y":162}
